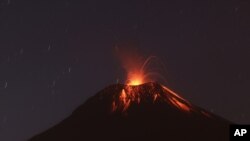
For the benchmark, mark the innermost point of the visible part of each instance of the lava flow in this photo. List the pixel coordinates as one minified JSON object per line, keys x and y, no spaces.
{"x":150,"y":93}
{"x":139,"y":87}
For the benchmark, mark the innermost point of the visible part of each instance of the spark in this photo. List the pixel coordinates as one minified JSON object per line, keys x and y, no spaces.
{"x":21,"y":51}
{"x":49,"y":47}
{"x":140,"y":72}
{"x":8,"y":59}
{"x":54,"y":83}
{"x":6,"y":84}
{"x":139,"y":75}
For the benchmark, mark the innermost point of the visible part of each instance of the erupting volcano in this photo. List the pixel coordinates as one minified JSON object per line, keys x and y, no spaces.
{"x":134,"y":91}
{"x":138,"y":110}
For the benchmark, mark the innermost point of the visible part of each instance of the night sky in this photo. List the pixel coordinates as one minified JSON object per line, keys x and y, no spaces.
{"x":56,"y":54}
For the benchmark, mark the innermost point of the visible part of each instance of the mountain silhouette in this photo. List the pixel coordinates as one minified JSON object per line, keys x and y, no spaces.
{"x":150,"y":112}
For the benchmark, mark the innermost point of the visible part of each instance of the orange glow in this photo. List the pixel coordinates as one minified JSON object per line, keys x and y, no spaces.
{"x":135,"y":95}
{"x":135,"y":79}
{"x":124,"y":100}
{"x":205,"y":113}
{"x":173,"y":93}
{"x":179,"y":104}
{"x":156,"y":96}
{"x":138,"y":74}
{"x":135,"y":82}
{"x":114,"y":106}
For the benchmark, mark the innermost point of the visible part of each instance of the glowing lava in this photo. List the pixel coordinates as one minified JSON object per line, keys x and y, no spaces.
{"x":135,"y":79}
{"x":148,"y":93}
{"x":138,"y":74}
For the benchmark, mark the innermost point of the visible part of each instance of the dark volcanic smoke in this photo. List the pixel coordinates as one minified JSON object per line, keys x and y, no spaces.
{"x":133,"y":113}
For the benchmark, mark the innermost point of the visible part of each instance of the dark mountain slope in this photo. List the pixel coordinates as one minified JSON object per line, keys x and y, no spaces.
{"x":145,"y":112}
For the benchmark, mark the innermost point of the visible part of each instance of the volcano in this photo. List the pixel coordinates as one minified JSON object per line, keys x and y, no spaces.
{"x":135,"y":113}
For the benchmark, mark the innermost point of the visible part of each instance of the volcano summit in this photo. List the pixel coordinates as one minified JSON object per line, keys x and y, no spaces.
{"x":143,"y":112}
